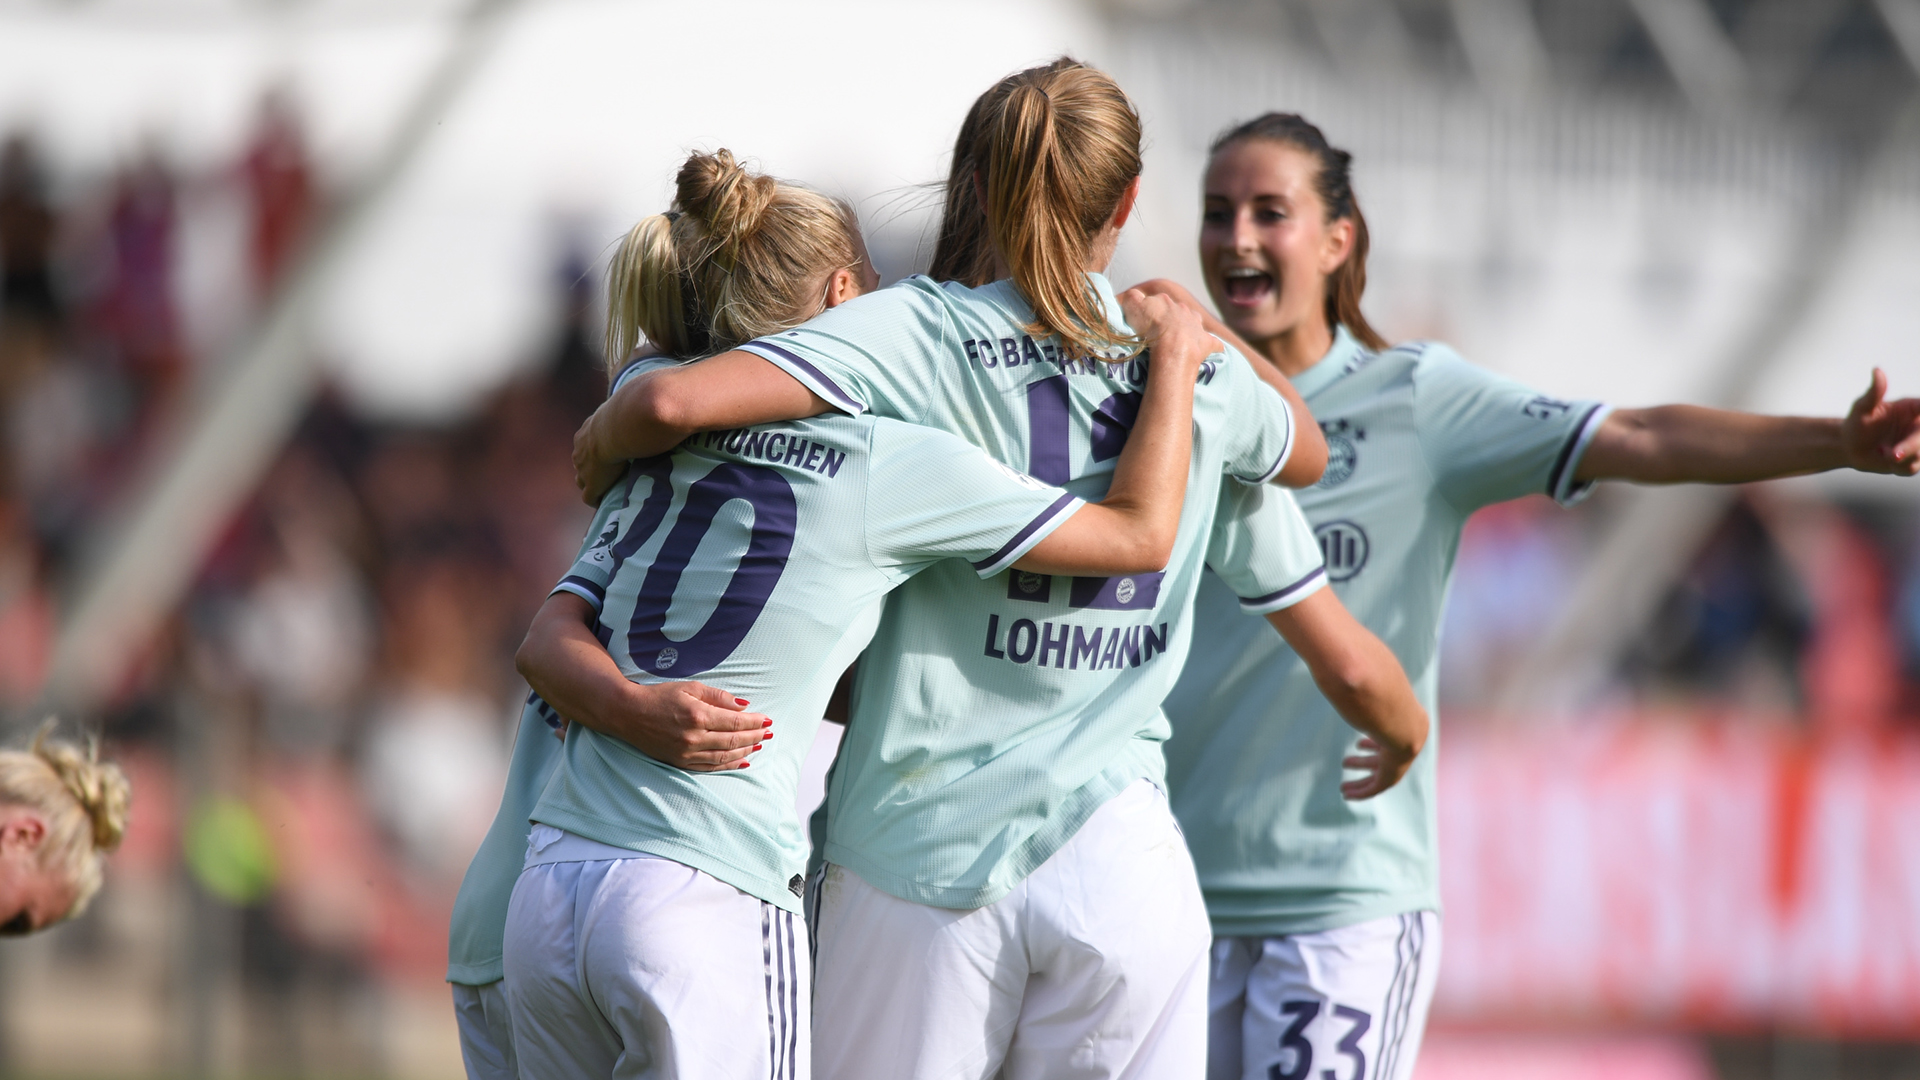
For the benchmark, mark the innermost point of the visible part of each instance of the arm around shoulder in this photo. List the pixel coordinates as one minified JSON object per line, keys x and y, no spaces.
{"x":652,"y":413}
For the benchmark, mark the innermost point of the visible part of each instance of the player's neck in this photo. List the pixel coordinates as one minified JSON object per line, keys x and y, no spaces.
{"x":1298,"y":348}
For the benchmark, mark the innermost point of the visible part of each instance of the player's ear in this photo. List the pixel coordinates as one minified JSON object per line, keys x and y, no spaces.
{"x":842,"y":286}
{"x":1339,"y":244}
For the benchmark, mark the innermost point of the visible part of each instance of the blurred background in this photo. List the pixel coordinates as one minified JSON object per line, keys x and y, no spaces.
{"x":301,"y":311}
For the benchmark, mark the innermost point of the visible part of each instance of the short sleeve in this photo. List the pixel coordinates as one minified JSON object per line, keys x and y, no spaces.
{"x":880,"y":353}
{"x":1263,"y":548}
{"x":932,"y":496}
{"x":1488,"y":438}
{"x":1260,"y":431}
{"x":594,"y":567}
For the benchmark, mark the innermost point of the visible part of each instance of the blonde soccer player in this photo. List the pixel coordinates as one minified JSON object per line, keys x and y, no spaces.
{"x":1325,"y":908}
{"x":61,"y":811}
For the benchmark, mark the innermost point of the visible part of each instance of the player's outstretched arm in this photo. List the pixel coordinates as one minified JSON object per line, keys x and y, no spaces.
{"x":653,"y":412}
{"x":1360,"y":676}
{"x":1133,"y":529}
{"x":1679,"y":444}
{"x":685,"y":724}
{"x":1309,"y":458}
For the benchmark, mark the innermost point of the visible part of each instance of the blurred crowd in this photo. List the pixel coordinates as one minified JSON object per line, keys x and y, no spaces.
{"x":1798,"y":608}
{"x":319,"y":738}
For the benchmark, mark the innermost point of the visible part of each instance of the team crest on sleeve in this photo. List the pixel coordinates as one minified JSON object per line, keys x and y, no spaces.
{"x":1541,"y":407}
{"x":598,"y":554}
{"x":1343,"y":547}
{"x":1343,"y":455}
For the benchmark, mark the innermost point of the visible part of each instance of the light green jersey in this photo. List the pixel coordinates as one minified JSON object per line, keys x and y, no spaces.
{"x":751,"y":560}
{"x":1417,"y":440}
{"x":479,"y":919}
{"x":992,"y":718}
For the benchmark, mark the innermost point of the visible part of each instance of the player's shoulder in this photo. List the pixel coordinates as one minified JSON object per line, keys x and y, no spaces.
{"x":1435,"y":366}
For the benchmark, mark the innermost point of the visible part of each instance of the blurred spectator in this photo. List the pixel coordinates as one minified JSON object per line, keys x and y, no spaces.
{"x":26,"y":612}
{"x":305,"y":633}
{"x":136,"y":308}
{"x":1732,"y":628}
{"x":28,"y":302}
{"x":279,"y":185}
{"x":437,"y":741}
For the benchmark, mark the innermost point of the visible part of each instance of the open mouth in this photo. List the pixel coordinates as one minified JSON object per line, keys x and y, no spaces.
{"x":1247,"y":287}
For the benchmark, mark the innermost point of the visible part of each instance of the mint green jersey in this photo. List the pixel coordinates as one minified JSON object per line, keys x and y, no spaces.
{"x":992,"y":718}
{"x":1417,"y":440}
{"x":479,"y":919}
{"x":752,"y":560}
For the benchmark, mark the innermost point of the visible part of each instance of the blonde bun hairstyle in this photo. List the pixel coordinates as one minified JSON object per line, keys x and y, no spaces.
{"x":741,"y":255}
{"x":84,"y":800}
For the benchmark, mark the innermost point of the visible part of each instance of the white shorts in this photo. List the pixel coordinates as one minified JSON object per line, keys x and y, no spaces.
{"x":644,"y":967}
{"x":1344,"y":1004}
{"x":1094,"y":966}
{"x":486,"y":1033}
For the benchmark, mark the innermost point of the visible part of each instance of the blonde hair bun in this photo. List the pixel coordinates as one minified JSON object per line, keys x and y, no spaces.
{"x":98,"y":786}
{"x":728,"y":200}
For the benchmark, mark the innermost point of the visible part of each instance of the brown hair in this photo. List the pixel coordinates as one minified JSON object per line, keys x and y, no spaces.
{"x":1054,"y":148}
{"x":85,"y":802}
{"x":739,"y":256}
{"x":1334,"y":184}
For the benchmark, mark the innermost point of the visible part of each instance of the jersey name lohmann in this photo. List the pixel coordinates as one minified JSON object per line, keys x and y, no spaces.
{"x":1066,"y":645}
{"x":777,"y":447}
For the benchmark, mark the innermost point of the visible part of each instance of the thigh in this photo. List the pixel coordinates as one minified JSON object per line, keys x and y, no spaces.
{"x":1119,"y":937}
{"x":904,"y":991}
{"x":557,"y":1030}
{"x":486,"y":1032}
{"x":1227,"y":969}
{"x":1343,"y":1004}
{"x":699,"y":980}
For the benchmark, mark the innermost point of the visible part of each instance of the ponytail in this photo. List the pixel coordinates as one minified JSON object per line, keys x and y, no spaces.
{"x":1054,"y":148}
{"x":1333,"y":182}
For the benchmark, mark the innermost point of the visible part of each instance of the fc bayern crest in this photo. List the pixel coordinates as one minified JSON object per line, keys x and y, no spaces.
{"x":1343,"y":456}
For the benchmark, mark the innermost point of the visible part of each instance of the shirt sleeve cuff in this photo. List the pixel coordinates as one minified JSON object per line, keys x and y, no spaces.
{"x":1280,"y":600}
{"x":591,"y":592}
{"x":1035,"y":531}
{"x":809,"y":375}
{"x":1561,"y":485}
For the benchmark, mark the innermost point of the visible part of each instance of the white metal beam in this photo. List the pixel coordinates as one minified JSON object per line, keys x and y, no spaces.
{"x":1698,"y":52}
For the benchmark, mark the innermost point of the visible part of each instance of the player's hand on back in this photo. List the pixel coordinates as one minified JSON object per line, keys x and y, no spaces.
{"x":689,"y":725}
{"x":1174,"y":332}
{"x":1883,"y":436}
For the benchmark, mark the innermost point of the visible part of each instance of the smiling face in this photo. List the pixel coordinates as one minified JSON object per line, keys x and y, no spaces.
{"x":32,"y":897}
{"x":1266,"y":245}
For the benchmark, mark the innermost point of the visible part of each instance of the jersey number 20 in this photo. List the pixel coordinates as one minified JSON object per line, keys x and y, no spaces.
{"x":774,"y":515}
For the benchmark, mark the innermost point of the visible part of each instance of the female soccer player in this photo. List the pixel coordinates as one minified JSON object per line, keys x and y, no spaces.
{"x":655,"y":902}
{"x":61,"y":811}
{"x":1325,"y":911}
{"x":1007,"y":893}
